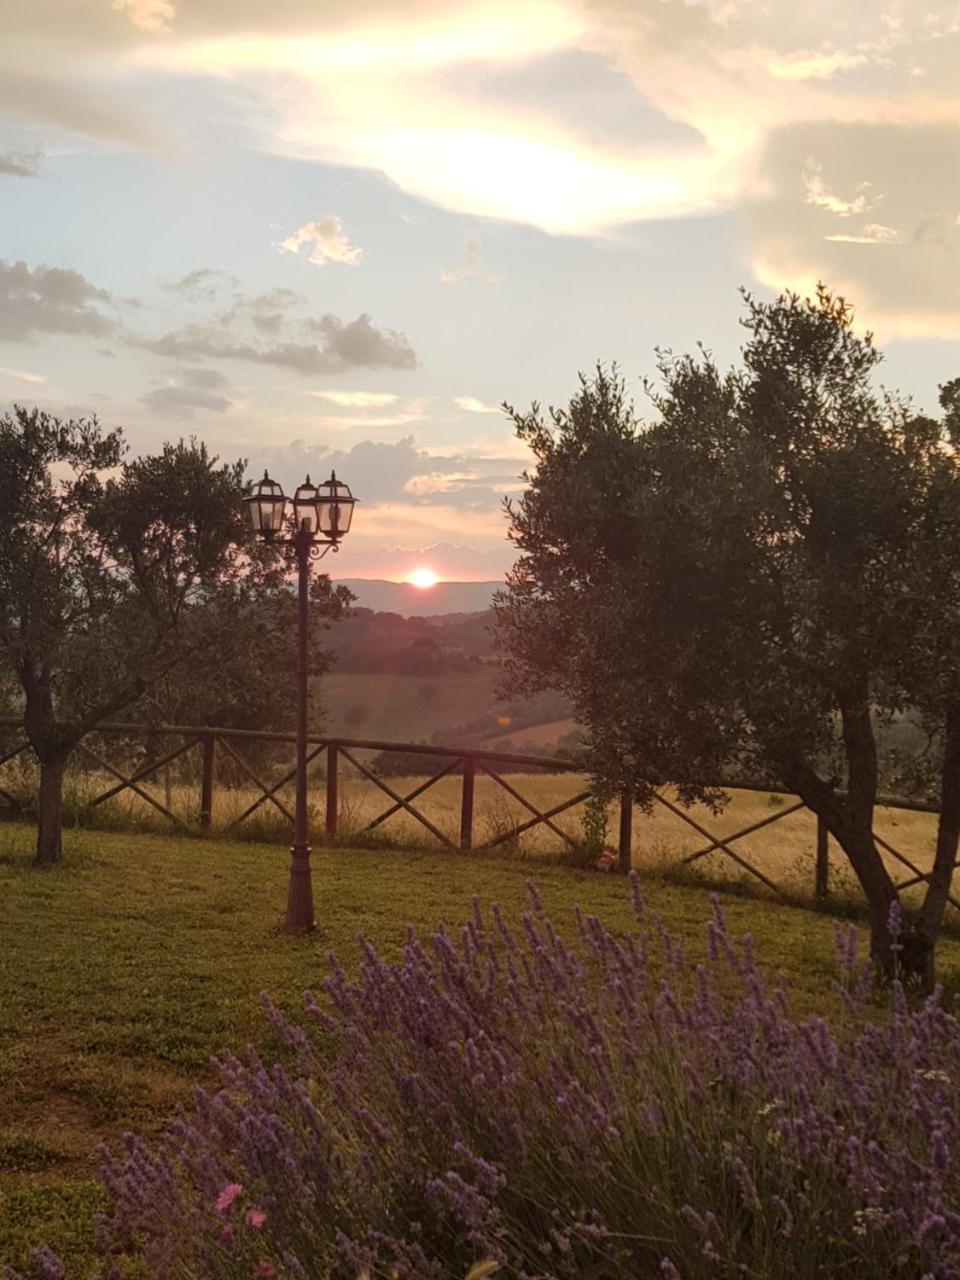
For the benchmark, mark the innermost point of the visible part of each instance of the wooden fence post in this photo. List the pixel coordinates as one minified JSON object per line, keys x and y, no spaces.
{"x":466,"y":804}
{"x":625,"y":844}
{"x":206,"y":781}
{"x":821,"y":887}
{"x":333,"y":756}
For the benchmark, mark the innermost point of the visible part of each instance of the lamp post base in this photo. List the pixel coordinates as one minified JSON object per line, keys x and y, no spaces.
{"x":300,"y":917}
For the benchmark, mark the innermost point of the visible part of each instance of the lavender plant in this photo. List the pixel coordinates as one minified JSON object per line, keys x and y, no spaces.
{"x":599,"y":1109}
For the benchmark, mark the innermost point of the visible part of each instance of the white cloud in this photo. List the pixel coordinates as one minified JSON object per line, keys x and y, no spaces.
{"x":437,"y":482}
{"x":403,"y":419}
{"x":818,"y":193}
{"x":408,"y":523}
{"x":471,"y":266}
{"x":22,"y":375}
{"x":470,"y":404}
{"x":148,"y":15}
{"x":902,"y":272}
{"x":392,"y":470}
{"x":803,"y":65}
{"x":21,"y":163}
{"x":327,"y":242}
{"x":872,"y":233}
{"x":358,"y":399}
{"x":393,"y":96}
{"x":449,"y":103}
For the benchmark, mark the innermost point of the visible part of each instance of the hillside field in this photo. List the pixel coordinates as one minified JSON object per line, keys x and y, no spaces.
{"x":396,"y":708}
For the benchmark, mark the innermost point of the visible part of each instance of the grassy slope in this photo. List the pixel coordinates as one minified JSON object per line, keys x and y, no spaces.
{"x":396,"y":709}
{"x":543,"y":736}
{"x":124,"y":970}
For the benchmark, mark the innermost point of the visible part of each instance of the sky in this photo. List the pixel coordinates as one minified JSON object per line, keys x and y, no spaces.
{"x":340,"y":234}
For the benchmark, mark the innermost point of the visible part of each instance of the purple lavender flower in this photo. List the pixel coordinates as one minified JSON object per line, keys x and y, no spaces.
{"x":560,"y":1109}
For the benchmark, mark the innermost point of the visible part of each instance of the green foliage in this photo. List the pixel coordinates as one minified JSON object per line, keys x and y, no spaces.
{"x":115,"y":573}
{"x":594,"y":823}
{"x":739,"y":587}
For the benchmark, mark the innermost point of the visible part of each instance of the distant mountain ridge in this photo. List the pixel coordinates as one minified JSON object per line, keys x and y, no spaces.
{"x":410,"y":601}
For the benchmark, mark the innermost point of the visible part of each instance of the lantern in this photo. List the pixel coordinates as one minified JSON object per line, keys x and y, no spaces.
{"x":335,"y":505}
{"x":306,"y":512}
{"x":266,"y":506}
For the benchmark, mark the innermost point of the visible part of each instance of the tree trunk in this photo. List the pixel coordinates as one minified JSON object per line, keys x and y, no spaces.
{"x":849,"y":820}
{"x":880,"y":893}
{"x":50,"y":812}
{"x":924,"y":939}
{"x":860,"y":745}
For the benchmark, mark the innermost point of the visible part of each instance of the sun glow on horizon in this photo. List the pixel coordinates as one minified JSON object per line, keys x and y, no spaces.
{"x":422,"y":578}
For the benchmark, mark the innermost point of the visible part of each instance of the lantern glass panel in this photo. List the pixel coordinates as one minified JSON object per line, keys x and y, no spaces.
{"x":336,"y":508}
{"x":305,"y":507}
{"x":265,"y":506}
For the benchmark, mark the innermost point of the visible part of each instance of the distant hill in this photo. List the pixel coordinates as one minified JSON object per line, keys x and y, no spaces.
{"x":410,"y":601}
{"x":368,"y":642}
{"x":430,"y":679}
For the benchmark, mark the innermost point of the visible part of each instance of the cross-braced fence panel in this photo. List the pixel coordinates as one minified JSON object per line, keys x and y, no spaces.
{"x":208,"y":779}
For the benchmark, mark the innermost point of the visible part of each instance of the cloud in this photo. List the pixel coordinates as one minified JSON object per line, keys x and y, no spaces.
{"x":84,"y":103}
{"x":357,"y":344}
{"x":470,"y":404}
{"x":430,"y":482}
{"x":453,"y":559}
{"x":872,"y":233}
{"x":411,"y":523}
{"x":49,"y":300}
{"x":21,"y":163}
{"x":327,"y":242}
{"x":894,"y":254}
{"x":471,"y":266}
{"x":358,"y":399}
{"x":187,"y":391}
{"x":360,"y":344}
{"x":22,"y":375}
{"x":803,"y":64}
{"x":571,"y":116}
{"x":575,"y":116}
{"x":398,"y":471}
{"x":401,"y":94}
{"x":268,"y":329}
{"x":268,"y":313}
{"x":403,"y":418}
{"x":203,"y":284}
{"x":148,"y":15}
{"x":817,"y":193}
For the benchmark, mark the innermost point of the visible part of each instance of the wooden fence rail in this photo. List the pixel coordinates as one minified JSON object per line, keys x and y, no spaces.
{"x":215,"y":744}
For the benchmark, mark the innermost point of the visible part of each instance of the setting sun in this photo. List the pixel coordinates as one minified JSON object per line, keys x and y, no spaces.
{"x":423,"y":578}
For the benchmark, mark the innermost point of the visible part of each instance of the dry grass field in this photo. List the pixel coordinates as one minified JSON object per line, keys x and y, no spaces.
{"x":783,"y":851}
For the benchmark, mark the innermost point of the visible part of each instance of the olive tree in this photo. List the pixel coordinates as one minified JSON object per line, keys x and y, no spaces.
{"x":744,"y":585}
{"x":114,"y":573}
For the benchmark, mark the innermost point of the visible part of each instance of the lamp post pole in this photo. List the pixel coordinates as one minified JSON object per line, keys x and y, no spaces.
{"x":300,"y":917}
{"x":321,"y":517}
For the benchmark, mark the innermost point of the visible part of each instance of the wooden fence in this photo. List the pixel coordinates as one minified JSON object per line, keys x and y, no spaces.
{"x":209,"y":743}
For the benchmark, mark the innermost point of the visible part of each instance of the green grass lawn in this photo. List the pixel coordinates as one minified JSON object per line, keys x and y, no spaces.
{"x":123,"y":971}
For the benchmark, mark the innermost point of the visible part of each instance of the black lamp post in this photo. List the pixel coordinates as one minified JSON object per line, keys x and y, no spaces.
{"x":320,"y":517}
